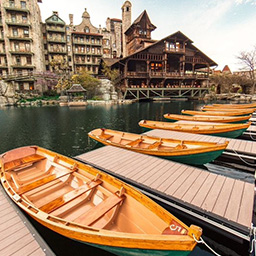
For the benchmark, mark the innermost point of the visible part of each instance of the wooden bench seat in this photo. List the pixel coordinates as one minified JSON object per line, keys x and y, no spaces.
{"x":155,"y":145}
{"x":40,"y":182}
{"x":134,"y":142}
{"x":62,"y":200}
{"x":19,"y":163}
{"x":95,"y":213}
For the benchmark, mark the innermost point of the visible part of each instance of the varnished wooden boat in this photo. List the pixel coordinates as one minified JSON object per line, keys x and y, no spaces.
{"x":249,"y":105}
{"x":217,"y":119}
{"x":189,"y":152}
{"x":229,"y":110}
{"x":216,"y":129}
{"x":92,"y":207}
{"x":215,"y":113}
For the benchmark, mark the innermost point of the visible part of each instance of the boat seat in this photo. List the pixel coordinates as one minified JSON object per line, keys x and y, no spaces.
{"x":21,"y":162}
{"x":134,"y":142}
{"x":42,"y":181}
{"x":95,"y":213}
{"x":155,"y":145}
{"x":62,"y":200}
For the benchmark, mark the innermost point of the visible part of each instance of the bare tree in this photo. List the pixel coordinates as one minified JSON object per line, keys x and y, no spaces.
{"x":248,"y":60}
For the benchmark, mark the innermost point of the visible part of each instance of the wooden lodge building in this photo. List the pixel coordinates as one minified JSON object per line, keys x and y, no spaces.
{"x":172,"y":66}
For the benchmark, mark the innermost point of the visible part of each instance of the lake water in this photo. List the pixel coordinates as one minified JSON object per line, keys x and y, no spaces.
{"x":64,"y":130}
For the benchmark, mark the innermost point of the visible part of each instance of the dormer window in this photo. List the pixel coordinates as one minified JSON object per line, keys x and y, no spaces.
{"x":127,"y":9}
{"x":86,"y":30}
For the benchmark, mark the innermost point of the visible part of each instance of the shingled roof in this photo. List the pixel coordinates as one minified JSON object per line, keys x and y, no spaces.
{"x":76,"y":88}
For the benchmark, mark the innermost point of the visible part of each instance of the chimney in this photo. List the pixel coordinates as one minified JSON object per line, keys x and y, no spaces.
{"x":55,"y":13}
{"x":71,"y":16}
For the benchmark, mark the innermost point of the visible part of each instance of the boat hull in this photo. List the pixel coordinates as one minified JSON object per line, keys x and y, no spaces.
{"x":120,"y":251}
{"x":196,"y":159}
{"x":230,"y":134}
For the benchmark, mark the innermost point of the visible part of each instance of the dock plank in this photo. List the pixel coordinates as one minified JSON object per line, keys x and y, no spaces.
{"x":234,"y":203}
{"x":204,"y":190}
{"x":213,"y":194}
{"x":224,"y":195}
{"x":246,"y":207}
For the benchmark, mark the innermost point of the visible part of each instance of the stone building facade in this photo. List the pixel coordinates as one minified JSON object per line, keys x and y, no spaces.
{"x":21,"y":44}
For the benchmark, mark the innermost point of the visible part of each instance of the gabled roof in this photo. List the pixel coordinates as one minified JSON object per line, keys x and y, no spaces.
{"x":143,"y":17}
{"x":55,"y":19}
{"x":76,"y":88}
{"x":226,"y":69}
{"x":177,"y":35}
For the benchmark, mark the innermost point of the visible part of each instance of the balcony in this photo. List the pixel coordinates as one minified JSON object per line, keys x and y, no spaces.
{"x":3,"y":66}
{"x":18,"y":23}
{"x":175,"y":50}
{"x":20,"y":38}
{"x":16,"y":8}
{"x":21,"y":52}
{"x":55,"y":29}
{"x":20,"y":66}
{"x":56,"y":51}
{"x":2,"y":52}
{"x":56,"y":40}
{"x":1,"y":39}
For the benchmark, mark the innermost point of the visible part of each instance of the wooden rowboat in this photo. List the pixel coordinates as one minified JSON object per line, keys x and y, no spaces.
{"x":216,"y":129}
{"x":189,"y":152}
{"x":217,"y":119}
{"x":92,"y":207}
{"x":214,"y":113}
{"x":249,"y":105}
{"x":220,"y":109}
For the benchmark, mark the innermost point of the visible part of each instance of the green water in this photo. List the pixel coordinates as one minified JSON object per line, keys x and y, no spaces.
{"x":64,"y":129}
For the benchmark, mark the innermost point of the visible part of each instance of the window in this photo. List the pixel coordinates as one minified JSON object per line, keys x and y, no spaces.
{"x":25,"y":32}
{"x":83,"y":59}
{"x":29,"y":60}
{"x":127,"y":9}
{"x":86,"y":30}
{"x":88,"y":49}
{"x":87,"y":39}
{"x":98,"y":50}
{"x":27,"y":47}
{"x":69,"y":48}
{"x":23,"y":4}
{"x":13,"y":18}
{"x":88,"y":59}
{"x":24,"y":18}
{"x":93,"y":60}
{"x":93,"y":40}
{"x":18,"y":60}
{"x":11,"y":3}
{"x":81,"y":39}
{"x":16,"y":47}
{"x":93,"y":50}
{"x":21,"y":86}
{"x":15,"y":32}
{"x":31,"y":87}
{"x":55,"y":18}
{"x":82,"y":49}
{"x":68,"y":38}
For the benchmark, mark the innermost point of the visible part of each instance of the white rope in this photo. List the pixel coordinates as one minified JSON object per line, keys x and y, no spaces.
{"x":253,"y":241}
{"x":243,"y":159}
{"x":201,"y":241}
{"x":251,"y":135}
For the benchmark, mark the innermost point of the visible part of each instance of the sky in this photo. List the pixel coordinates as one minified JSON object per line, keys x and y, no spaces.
{"x":221,"y":29}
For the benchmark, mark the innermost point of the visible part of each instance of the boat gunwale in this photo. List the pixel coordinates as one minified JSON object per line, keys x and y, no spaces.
{"x":214,"y":130}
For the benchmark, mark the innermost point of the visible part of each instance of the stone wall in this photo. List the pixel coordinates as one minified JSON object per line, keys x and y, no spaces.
{"x":7,"y":94}
{"x":107,"y":90}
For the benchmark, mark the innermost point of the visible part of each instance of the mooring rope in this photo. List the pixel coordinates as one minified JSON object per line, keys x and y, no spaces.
{"x":201,"y":241}
{"x":253,"y":240}
{"x":243,"y":159}
{"x":251,"y":135}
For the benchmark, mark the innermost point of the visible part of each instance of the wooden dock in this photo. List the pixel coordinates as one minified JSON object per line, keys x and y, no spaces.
{"x":17,"y":235}
{"x":217,"y":200}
